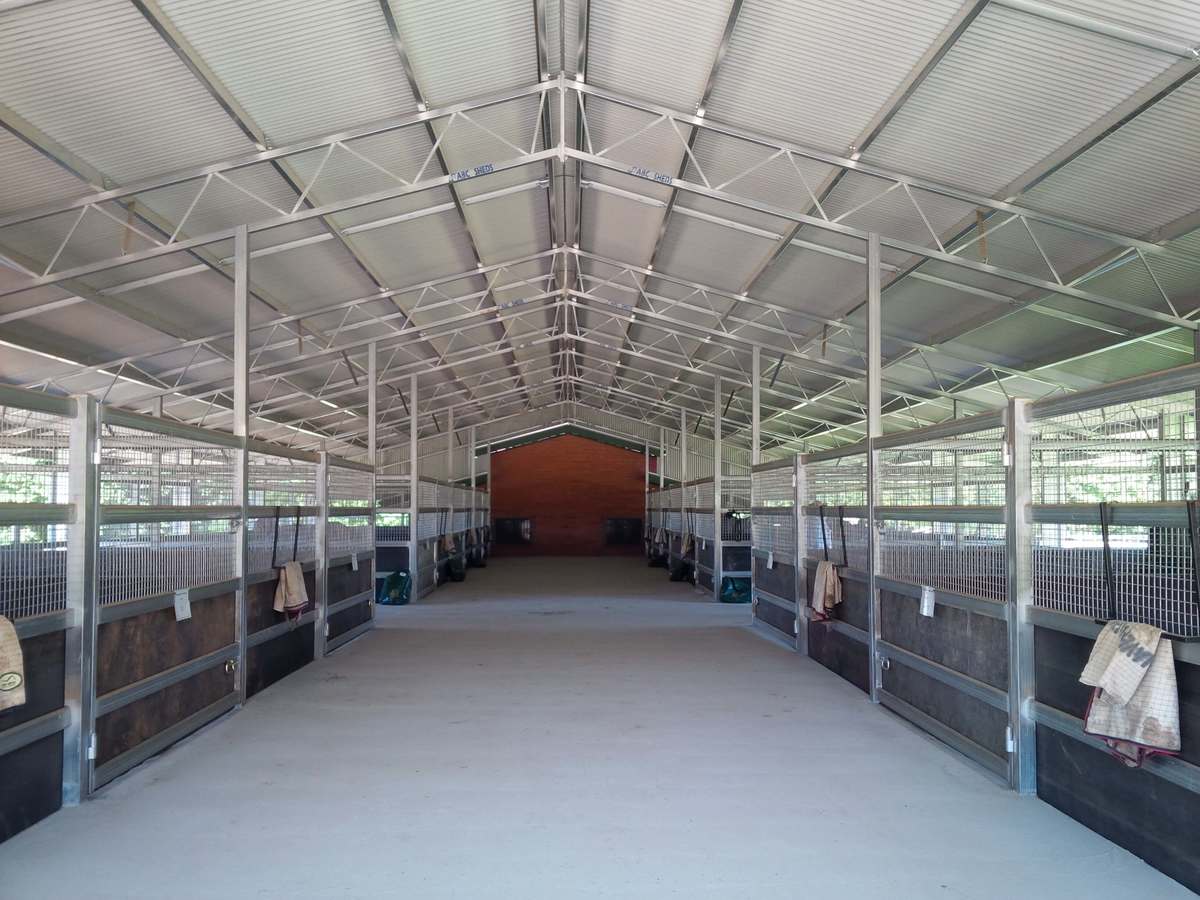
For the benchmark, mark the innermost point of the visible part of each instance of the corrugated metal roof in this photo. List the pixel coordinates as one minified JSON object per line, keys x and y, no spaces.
{"x":1011,"y":91}
{"x":1149,"y":171}
{"x":711,"y":254}
{"x":464,"y":48}
{"x":815,"y":72}
{"x":618,"y":228}
{"x":97,"y":78}
{"x":299,"y":69}
{"x":1176,"y":19}
{"x":27,"y":178}
{"x":662,"y":51}
{"x":511,"y":226}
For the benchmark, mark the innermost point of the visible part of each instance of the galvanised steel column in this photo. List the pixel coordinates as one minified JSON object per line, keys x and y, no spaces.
{"x":874,"y":431}
{"x":450,"y":472}
{"x":755,"y":406}
{"x":1022,"y":757}
{"x":471,"y":449}
{"x":79,"y":683}
{"x":718,"y":507}
{"x":414,"y":493}
{"x":372,"y":450}
{"x":683,"y":473}
{"x":241,"y":429}
{"x":646,"y":494}
{"x":800,"y":580}
{"x":321,"y":629}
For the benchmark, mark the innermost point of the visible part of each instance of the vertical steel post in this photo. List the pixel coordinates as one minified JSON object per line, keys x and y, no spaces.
{"x":241,"y":429}
{"x":718,"y":565}
{"x":683,"y":476}
{"x":874,"y":431}
{"x":450,"y":470}
{"x":474,"y":475}
{"x":646,"y":494}
{"x":800,"y":580}
{"x":372,"y":452}
{"x":1195,"y":487}
{"x":321,"y":629}
{"x":755,"y":406}
{"x":414,"y":493}
{"x":1022,"y":758}
{"x":79,"y":685}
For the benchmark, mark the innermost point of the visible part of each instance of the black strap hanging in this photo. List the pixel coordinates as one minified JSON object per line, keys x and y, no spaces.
{"x":824,"y":536}
{"x":842,"y":526}
{"x":1110,"y":586}
{"x":275,"y":540}
{"x":1194,"y":548}
{"x":295,"y":539}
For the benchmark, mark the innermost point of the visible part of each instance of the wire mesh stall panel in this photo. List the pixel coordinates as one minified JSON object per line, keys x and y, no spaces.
{"x":350,"y":552}
{"x":34,"y":530}
{"x":672,"y":518}
{"x":941,"y":512}
{"x":735,"y":526}
{"x":654,"y":511}
{"x":283,"y":506}
{"x":942,"y":583}
{"x":1134,"y":464}
{"x":432,"y":523}
{"x":460,"y":520}
{"x":393,"y":512}
{"x":167,"y":581}
{"x":699,"y":503}
{"x":35,"y":526}
{"x":834,"y":529}
{"x":775,"y":584}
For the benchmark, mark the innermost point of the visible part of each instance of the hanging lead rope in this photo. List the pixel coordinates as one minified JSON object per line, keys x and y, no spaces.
{"x":1110,"y":587}
{"x":275,"y":541}
{"x":842,"y":526}
{"x":1194,"y":549}
{"x":824,"y":537}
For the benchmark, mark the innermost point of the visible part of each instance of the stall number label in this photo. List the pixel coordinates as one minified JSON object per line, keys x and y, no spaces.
{"x":651,"y":175}
{"x":770,"y":559}
{"x":183,"y":605}
{"x":353,"y":562}
{"x":464,"y":174}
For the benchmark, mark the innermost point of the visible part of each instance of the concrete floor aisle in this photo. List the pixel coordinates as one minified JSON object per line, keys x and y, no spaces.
{"x":565,"y":728}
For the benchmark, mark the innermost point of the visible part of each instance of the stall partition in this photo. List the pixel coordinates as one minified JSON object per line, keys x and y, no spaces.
{"x":139,"y":560}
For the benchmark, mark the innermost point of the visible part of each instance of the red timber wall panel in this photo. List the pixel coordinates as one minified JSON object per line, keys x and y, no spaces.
{"x":568,"y":486}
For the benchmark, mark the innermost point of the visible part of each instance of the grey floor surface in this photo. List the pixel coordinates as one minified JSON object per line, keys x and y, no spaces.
{"x":556,"y":729}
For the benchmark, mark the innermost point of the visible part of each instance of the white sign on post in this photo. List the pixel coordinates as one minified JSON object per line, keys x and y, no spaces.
{"x":353,"y":562}
{"x":770,"y":559}
{"x":183,"y":605}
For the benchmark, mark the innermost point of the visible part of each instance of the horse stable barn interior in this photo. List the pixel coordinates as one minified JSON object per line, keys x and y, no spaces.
{"x":598,"y":448}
